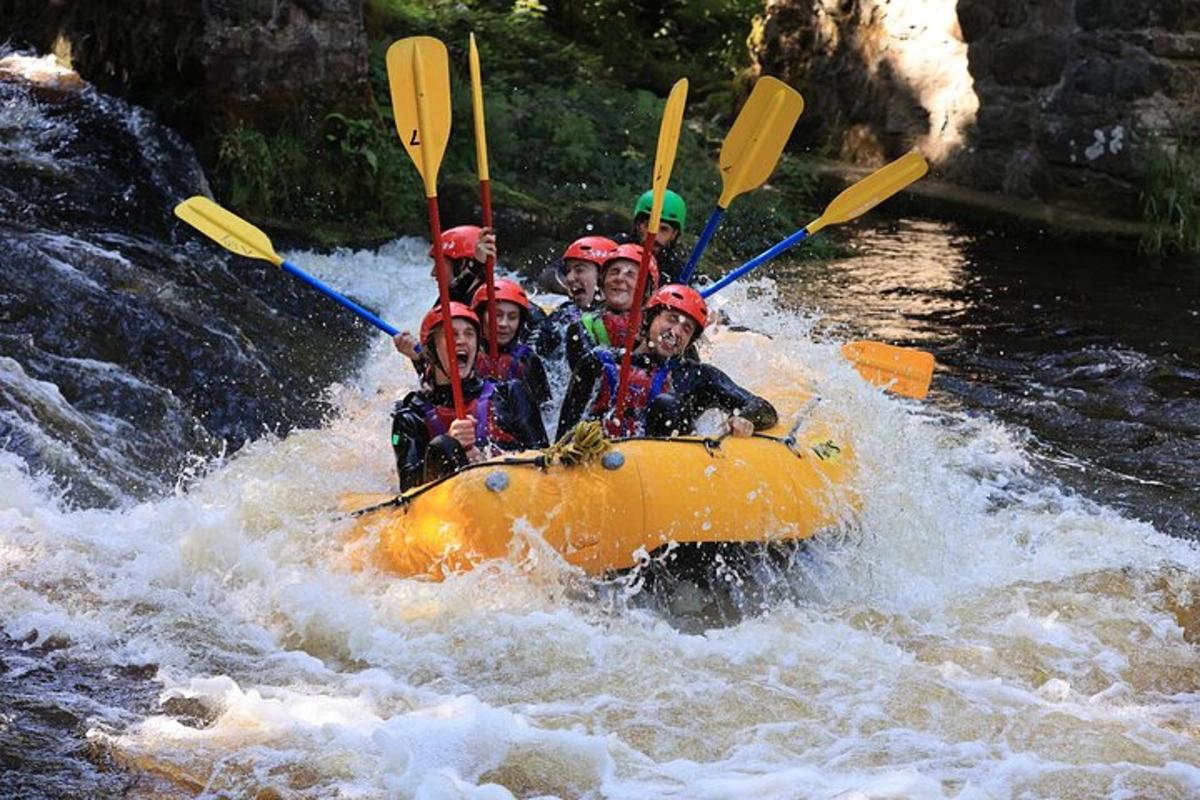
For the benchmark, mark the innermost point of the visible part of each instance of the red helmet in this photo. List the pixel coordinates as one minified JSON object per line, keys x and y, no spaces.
{"x":590,"y":248}
{"x":507,"y":290}
{"x":434,"y":318}
{"x":459,"y":242}
{"x":632,"y":252}
{"x":683,"y":299}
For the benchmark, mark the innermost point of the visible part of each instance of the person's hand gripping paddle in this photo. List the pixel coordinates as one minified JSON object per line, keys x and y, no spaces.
{"x":664,"y":160}
{"x":419,"y":78}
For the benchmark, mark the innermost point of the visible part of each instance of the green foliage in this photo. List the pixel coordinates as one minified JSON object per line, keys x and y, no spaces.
{"x":574,"y":96}
{"x":348,"y":178}
{"x":356,"y":139}
{"x":1171,"y":197}
{"x":246,"y":159}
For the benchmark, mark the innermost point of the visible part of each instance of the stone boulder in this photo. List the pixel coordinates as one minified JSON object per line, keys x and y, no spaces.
{"x":200,"y":66}
{"x":1060,"y":101}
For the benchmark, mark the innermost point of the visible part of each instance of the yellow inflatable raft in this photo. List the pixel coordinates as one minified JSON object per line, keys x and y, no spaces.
{"x":608,"y":513}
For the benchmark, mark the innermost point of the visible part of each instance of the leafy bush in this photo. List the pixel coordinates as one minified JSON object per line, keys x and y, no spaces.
{"x":1171,"y":197}
{"x":573,"y":102}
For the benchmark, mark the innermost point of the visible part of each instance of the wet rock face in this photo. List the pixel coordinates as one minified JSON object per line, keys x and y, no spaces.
{"x":271,"y":58}
{"x":199,"y":66}
{"x":129,"y":346}
{"x":1071,"y":96}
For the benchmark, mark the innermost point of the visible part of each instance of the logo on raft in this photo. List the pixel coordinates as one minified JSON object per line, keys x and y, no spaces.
{"x":826,"y":450}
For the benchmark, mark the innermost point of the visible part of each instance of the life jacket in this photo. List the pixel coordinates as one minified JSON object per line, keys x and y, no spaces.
{"x":607,"y":328}
{"x":640,"y":392}
{"x":510,"y":364}
{"x":487,"y":432}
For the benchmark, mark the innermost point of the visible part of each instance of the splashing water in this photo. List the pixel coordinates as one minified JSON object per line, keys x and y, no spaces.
{"x":984,"y":633}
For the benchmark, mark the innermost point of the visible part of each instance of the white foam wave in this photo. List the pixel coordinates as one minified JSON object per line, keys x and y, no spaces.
{"x":982,"y":633}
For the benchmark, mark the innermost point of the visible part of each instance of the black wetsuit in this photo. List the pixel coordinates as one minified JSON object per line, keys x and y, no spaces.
{"x":464,"y":284}
{"x":514,"y":424}
{"x":686,"y":391}
{"x":550,"y":333}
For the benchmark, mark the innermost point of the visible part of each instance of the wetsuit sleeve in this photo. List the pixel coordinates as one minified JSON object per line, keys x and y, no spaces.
{"x":537,"y":317}
{"x":578,"y":343}
{"x":536,"y":380}
{"x":581,"y":392}
{"x":545,"y":336}
{"x":410,"y":437}
{"x":518,"y":416}
{"x":464,"y":285}
{"x":714,"y":389}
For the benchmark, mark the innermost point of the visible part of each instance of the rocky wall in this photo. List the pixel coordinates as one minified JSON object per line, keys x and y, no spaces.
{"x":1063,"y":101}
{"x":199,"y":65}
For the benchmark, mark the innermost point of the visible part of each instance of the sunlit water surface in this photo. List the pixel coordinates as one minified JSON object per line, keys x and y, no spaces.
{"x":983,"y":631}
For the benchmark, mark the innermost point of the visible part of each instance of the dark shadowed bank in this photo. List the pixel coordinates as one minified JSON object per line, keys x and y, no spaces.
{"x":129,"y":349}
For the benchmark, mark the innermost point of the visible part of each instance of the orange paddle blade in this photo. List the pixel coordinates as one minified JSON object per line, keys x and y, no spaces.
{"x":903,"y":370}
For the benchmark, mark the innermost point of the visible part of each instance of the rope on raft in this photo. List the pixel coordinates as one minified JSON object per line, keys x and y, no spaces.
{"x":583,"y":443}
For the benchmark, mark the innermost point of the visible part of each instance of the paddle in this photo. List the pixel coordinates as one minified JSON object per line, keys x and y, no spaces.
{"x":850,"y":204}
{"x":240,"y":237}
{"x":485,"y":193}
{"x":419,"y":79}
{"x":903,"y":370}
{"x":751,"y":150}
{"x":664,"y":160}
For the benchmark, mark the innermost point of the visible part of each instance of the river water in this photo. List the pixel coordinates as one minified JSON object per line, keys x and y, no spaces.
{"x":1014,"y":613}
{"x":989,"y":629}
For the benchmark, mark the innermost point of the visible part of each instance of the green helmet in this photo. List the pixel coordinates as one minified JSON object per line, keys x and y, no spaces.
{"x":674,"y":210}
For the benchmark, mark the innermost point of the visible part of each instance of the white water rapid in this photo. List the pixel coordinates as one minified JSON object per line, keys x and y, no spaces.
{"x":982,"y":633}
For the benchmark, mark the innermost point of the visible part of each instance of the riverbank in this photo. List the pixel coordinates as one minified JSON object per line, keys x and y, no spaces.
{"x":951,"y":202}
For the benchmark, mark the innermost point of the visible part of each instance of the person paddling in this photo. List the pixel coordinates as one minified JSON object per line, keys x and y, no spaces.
{"x":577,"y":271}
{"x":667,"y":245}
{"x":467,"y":249}
{"x":516,"y":360}
{"x":428,"y":441}
{"x":666,"y":394}
{"x":607,"y":325}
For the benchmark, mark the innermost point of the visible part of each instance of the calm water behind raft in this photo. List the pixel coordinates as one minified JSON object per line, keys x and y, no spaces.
{"x":1094,"y":354}
{"x":996,"y":624}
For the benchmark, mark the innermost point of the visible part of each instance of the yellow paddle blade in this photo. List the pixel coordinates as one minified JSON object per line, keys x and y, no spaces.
{"x":419,"y":78}
{"x":226,"y":229}
{"x":477,"y":107}
{"x":902,"y":370}
{"x":668,"y":142}
{"x":756,"y":141}
{"x":872,"y":190}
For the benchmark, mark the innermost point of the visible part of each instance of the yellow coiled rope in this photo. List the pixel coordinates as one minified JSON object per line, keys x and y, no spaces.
{"x":585,"y":442}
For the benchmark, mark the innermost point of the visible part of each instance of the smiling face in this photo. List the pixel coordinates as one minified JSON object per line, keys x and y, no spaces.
{"x":620,"y":279}
{"x":466,"y":344}
{"x":580,"y":282}
{"x":671,"y":332}
{"x":508,"y":320}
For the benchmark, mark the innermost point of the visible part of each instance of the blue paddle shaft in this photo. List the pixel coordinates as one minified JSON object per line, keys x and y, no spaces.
{"x":758,"y":260}
{"x":340,"y":298}
{"x":706,"y":235}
